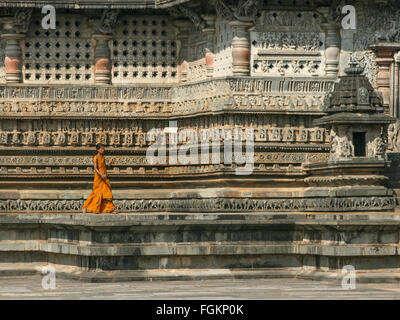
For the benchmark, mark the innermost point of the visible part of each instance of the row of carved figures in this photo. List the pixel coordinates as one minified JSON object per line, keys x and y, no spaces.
{"x":130,"y":138}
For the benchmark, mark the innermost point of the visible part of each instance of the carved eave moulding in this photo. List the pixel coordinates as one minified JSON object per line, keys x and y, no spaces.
{"x":247,"y":10}
{"x":183,"y":11}
{"x":223,"y":10}
{"x":242,"y":10}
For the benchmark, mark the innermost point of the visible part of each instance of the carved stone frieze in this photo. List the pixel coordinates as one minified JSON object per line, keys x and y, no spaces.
{"x":121,"y":133}
{"x":376,"y":24}
{"x":217,"y":95}
{"x":206,"y":205}
{"x":113,"y":75}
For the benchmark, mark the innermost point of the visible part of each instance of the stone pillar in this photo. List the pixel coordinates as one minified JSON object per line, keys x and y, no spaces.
{"x":332,"y":48}
{"x":184,"y":67}
{"x":384,"y":59}
{"x":183,"y":27}
{"x":395,"y":111}
{"x":13,"y":54}
{"x":241,"y":48}
{"x":210,"y":46}
{"x":102,"y":60}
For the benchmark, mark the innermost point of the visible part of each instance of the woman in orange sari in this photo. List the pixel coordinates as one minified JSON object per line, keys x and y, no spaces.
{"x":100,"y":200}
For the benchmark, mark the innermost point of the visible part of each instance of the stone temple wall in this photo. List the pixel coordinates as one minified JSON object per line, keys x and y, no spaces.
{"x":111,"y":76}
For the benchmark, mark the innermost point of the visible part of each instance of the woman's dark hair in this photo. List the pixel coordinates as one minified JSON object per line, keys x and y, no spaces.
{"x":99,"y":146}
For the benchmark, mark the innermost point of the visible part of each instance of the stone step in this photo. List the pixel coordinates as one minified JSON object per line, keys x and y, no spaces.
{"x":73,"y":273}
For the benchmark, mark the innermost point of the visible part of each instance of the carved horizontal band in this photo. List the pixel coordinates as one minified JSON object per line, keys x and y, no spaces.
{"x":262,"y":157}
{"x":128,"y":137}
{"x":209,"y":205}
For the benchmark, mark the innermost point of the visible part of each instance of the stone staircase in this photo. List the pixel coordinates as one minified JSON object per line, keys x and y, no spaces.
{"x":176,"y":246}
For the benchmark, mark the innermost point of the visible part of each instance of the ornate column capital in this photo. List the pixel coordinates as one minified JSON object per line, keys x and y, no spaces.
{"x":108,"y":21}
{"x":20,"y":21}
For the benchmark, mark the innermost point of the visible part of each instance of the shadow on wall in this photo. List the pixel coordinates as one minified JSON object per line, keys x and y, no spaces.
{"x":393,"y":173}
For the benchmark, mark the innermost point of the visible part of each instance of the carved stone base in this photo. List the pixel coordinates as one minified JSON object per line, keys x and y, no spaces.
{"x":350,"y":178}
{"x":101,"y":248}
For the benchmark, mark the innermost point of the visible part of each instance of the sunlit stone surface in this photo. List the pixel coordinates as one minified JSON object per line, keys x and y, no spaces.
{"x":112,"y":74}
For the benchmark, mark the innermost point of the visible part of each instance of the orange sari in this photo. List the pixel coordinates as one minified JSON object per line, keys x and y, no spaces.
{"x":100,"y":200}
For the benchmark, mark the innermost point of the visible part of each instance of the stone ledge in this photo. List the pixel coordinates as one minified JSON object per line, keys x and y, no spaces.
{"x":201,"y":246}
{"x":10,"y":270}
{"x":202,"y":249}
{"x":126,"y":219}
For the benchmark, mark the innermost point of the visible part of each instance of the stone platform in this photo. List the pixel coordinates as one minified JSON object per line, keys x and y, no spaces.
{"x":175,"y":246}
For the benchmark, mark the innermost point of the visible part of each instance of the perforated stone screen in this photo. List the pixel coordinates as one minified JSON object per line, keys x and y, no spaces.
{"x":223,"y":52}
{"x":144,"y":50}
{"x":196,"y":51}
{"x":61,"y":55}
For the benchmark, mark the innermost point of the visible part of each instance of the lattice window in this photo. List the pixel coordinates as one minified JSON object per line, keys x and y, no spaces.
{"x":62,"y":55}
{"x":2,"y":56}
{"x":144,"y":50}
{"x":223,"y":52}
{"x":287,"y":43}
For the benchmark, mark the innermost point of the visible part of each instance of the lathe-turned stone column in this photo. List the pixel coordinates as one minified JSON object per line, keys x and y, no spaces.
{"x":102,"y":59}
{"x":395,"y":110}
{"x":384,"y":59}
{"x":183,"y":43}
{"x":102,"y":37}
{"x":332,"y":48}
{"x":241,"y":47}
{"x":210,"y":46}
{"x":13,"y":54}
